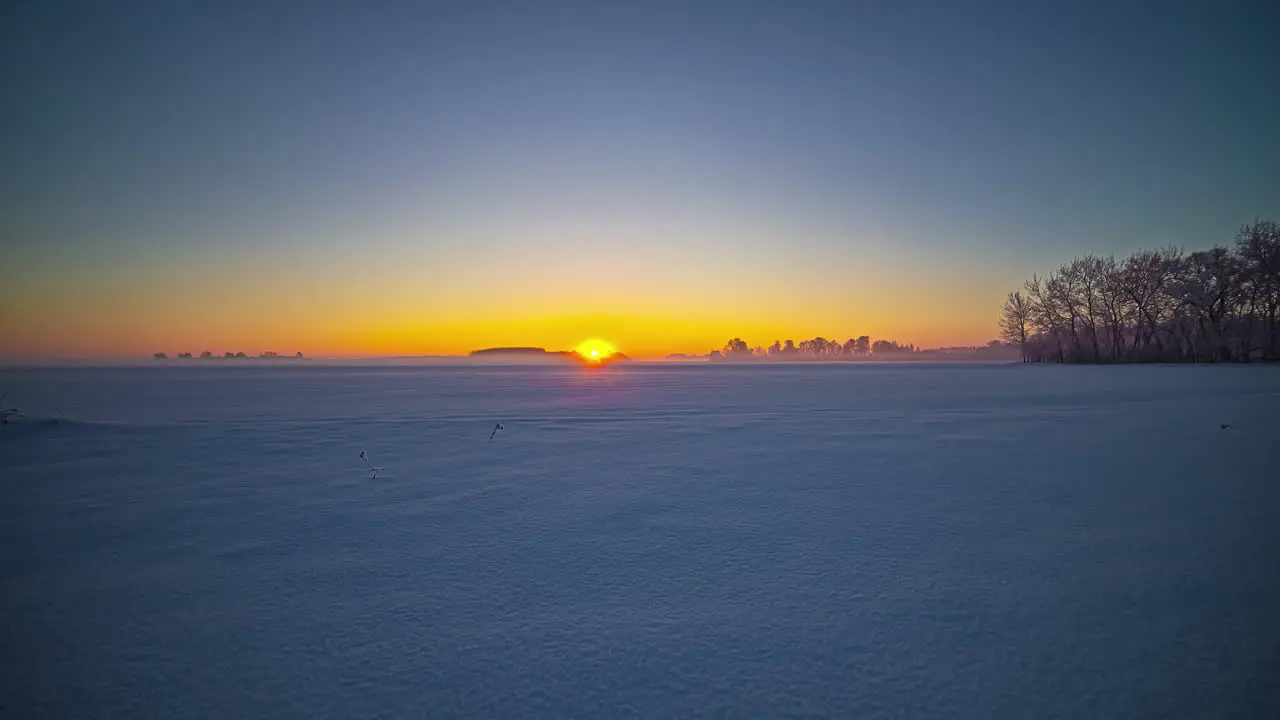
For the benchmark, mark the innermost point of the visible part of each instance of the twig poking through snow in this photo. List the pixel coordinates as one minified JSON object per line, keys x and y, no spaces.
{"x":496,"y":428}
{"x":6,"y":413}
{"x":365,"y":457}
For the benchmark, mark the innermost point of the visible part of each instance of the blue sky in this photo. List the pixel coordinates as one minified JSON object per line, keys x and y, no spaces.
{"x":402,"y":176}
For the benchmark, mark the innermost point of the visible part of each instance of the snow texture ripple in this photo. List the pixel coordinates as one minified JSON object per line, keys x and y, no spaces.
{"x":844,"y":541}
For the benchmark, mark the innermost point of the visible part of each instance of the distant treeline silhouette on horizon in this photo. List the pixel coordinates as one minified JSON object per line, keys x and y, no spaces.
{"x":1215,"y":305}
{"x":207,"y":355}
{"x":860,"y":348}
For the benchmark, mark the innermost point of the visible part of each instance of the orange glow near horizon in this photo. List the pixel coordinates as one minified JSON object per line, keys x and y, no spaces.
{"x":139,"y":311}
{"x":90,"y":334}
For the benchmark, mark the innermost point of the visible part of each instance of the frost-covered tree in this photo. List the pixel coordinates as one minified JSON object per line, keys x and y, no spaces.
{"x":1258,"y":246}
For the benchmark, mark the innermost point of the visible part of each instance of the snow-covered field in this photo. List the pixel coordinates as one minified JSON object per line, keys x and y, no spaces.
{"x":844,"y":541}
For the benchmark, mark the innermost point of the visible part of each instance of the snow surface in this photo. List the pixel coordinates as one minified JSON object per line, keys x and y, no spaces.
{"x":843,"y":541}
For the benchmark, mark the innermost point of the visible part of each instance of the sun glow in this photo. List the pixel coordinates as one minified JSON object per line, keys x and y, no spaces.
{"x":595,"y":349}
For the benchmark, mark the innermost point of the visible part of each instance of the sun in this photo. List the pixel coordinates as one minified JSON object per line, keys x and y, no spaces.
{"x":595,"y":349}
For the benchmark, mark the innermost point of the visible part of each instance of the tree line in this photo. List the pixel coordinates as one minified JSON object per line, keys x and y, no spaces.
{"x":1215,"y":305}
{"x":817,"y":348}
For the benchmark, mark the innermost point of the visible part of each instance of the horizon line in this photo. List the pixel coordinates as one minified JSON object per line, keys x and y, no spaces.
{"x":670,"y":358}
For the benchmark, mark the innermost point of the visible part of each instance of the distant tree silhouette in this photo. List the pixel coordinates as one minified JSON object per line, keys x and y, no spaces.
{"x":890,"y":347}
{"x":736,"y":349}
{"x":821,"y":349}
{"x":814,"y":347}
{"x":1215,"y":305}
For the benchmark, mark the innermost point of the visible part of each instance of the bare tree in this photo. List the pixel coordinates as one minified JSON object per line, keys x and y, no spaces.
{"x":1015,"y":321}
{"x":1090,"y":279}
{"x":1215,"y":305}
{"x":1117,"y":311}
{"x":1046,"y":316}
{"x":1206,"y":289}
{"x":1258,"y":246}
{"x":1144,"y":279}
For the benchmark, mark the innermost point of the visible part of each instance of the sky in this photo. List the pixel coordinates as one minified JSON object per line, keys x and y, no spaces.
{"x":396,"y":178}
